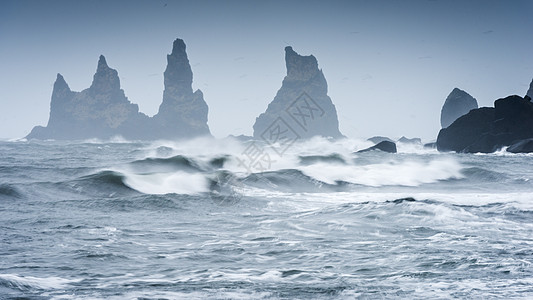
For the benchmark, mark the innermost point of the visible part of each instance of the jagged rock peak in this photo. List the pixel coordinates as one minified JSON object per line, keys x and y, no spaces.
{"x":104,"y":111}
{"x":60,"y":83}
{"x":178,"y":74}
{"x":457,"y":104}
{"x":179,"y":47}
{"x":102,"y":63}
{"x":182,"y":112}
{"x":300,"y":67}
{"x":105,"y":79}
{"x":301,"y":105}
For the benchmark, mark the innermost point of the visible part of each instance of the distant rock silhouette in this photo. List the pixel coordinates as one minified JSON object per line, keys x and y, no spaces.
{"x":458,"y":103}
{"x":385,"y":146}
{"x":378,"y":139}
{"x":101,"y":111}
{"x":104,"y":111}
{"x":488,"y":129}
{"x":405,"y":140}
{"x":182,"y":112}
{"x":301,"y":108}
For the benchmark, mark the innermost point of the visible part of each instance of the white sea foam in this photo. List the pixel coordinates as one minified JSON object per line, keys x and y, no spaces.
{"x":30,"y":282}
{"x":406,"y":173}
{"x":166,"y":183}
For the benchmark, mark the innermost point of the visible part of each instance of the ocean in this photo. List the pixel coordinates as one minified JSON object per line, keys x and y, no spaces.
{"x":227,"y":219}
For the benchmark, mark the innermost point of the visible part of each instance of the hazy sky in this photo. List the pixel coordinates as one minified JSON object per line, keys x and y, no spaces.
{"x":389,"y":64}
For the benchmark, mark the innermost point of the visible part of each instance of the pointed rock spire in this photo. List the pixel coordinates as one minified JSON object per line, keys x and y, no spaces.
{"x":61,"y":99}
{"x":60,"y":84}
{"x":102,"y":63}
{"x":182,"y":112}
{"x":300,"y":67}
{"x":61,"y":93}
{"x":178,"y":74}
{"x":301,"y":108}
{"x":105,"y":80}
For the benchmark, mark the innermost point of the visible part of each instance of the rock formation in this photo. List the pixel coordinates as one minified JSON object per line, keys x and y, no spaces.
{"x":301,"y":108}
{"x":100,"y":111}
{"x":385,"y":146}
{"x":488,"y":129}
{"x":103,"y":110}
{"x":182,"y":112}
{"x":458,"y":103}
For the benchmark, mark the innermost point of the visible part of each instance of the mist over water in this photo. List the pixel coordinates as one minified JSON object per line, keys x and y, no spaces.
{"x":194,"y":219}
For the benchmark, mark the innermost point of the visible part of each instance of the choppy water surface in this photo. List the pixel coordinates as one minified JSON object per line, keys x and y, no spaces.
{"x":192,"y":220}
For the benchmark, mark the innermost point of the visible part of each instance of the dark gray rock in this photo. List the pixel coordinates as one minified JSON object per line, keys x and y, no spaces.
{"x":405,"y":140}
{"x":378,"y":139}
{"x":489,"y":129}
{"x":384,"y":146}
{"x":458,"y":103}
{"x":466,"y":131}
{"x":301,"y":108}
{"x":103,"y":110}
{"x":523,"y":146}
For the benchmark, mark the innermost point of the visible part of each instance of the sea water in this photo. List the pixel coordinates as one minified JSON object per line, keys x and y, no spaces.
{"x":224,"y":219}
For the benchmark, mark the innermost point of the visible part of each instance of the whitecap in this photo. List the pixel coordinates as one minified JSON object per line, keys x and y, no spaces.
{"x":30,"y":282}
{"x":166,"y":183}
{"x":406,"y":173}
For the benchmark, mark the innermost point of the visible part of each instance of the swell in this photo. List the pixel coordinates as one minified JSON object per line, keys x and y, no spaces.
{"x":10,"y":191}
{"x":312,"y":159}
{"x":484,"y":175}
{"x":288,"y":180}
{"x":178,"y":162}
{"x":105,"y":178}
{"x":102,"y":184}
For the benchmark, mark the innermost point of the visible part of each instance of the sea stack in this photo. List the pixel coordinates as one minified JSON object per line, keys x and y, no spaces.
{"x":457,"y":104}
{"x":103,"y":110}
{"x":301,"y":107}
{"x":183,"y":113}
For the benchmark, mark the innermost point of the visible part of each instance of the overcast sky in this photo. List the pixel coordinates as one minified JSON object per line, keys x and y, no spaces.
{"x":389,"y":64}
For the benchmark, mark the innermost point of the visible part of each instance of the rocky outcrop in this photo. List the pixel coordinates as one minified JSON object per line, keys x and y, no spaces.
{"x":104,"y":111}
{"x":457,"y":104}
{"x":385,"y":146}
{"x":183,"y":113}
{"x":489,"y":129}
{"x":301,"y":108}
